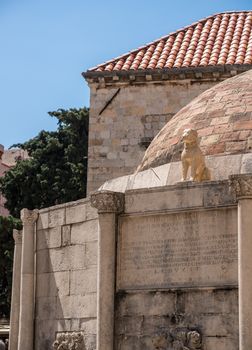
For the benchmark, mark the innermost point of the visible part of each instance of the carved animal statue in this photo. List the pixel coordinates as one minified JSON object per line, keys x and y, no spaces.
{"x":193,"y":157}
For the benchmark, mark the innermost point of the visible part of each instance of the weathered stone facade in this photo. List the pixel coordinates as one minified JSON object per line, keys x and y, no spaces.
{"x":66,"y":273}
{"x":166,"y":271}
{"x":120,"y":133}
{"x":176,"y":273}
{"x":148,"y":262}
{"x":145,"y":319}
{"x":128,"y":110}
{"x":135,"y":94}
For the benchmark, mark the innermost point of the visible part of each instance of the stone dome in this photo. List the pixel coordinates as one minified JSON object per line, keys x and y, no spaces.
{"x":222,"y":116}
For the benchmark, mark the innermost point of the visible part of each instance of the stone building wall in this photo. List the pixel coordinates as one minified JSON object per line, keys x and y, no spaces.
{"x":169,"y":262}
{"x":66,"y":273}
{"x":10,"y":156}
{"x":177,"y":268}
{"x":124,"y":118}
{"x":145,"y":318}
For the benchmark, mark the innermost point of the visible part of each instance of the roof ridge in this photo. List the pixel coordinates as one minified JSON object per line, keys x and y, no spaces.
{"x":204,"y":19}
{"x":165,"y":37}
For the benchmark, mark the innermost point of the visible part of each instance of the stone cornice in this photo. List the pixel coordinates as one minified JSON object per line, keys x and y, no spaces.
{"x":108,"y":201}
{"x":209,"y":73}
{"x":241,"y":185}
{"x":29,"y":217}
{"x":17,"y":235}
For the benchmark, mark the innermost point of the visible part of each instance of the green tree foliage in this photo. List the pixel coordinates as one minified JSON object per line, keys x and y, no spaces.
{"x":57,"y":170}
{"x":7,"y":224}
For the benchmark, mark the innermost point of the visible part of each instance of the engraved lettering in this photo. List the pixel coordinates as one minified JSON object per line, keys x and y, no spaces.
{"x":178,"y":249}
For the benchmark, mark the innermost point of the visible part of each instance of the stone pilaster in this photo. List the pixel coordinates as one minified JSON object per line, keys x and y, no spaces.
{"x":26,"y":315}
{"x":109,"y":205}
{"x":15,"y":295}
{"x":241,"y":185}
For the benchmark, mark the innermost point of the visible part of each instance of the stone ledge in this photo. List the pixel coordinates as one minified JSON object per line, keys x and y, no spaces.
{"x":65,"y":205}
{"x":180,"y":197}
{"x":67,"y":213}
{"x":221,"y":166}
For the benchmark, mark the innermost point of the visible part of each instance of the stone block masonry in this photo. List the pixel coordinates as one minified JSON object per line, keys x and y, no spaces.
{"x":180,"y":234}
{"x":120,"y":133}
{"x":147,"y":269}
{"x":143,"y":317}
{"x":66,"y":273}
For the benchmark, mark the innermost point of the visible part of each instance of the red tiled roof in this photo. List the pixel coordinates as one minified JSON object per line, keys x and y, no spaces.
{"x":222,"y":39}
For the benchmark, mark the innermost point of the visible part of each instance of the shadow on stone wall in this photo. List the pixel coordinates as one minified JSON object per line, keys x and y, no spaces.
{"x":66,"y":271}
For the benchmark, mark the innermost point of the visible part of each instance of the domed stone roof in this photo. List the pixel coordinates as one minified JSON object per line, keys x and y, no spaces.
{"x":222,"y":116}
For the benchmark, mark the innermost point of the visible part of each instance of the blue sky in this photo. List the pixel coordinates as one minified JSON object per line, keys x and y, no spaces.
{"x":46,"y":44}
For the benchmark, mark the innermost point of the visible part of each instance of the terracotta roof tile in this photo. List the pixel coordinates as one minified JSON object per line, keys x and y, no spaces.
{"x":224,"y":38}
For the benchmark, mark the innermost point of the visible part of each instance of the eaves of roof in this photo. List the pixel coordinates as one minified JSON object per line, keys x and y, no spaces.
{"x":219,"y":43}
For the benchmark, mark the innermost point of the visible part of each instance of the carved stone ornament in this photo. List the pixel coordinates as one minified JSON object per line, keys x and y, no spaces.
{"x":108,"y":201}
{"x":178,"y":339}
{"x":193,"y":157}
{"x":29,"y":217}
{"x":17,"y":235}
{"x":69,"y":341}
{"x":241,"y":185}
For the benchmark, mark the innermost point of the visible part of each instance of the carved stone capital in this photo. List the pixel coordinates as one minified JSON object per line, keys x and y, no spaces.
{"x":29,"y":217}
{"x":108,"y":201}
{"x":241,"y":185}
{"x":17,"y":235}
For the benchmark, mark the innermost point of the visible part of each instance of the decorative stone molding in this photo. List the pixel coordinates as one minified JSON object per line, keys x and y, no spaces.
{"x":178,"y":339}
{"x":69,"y":341}
{"x":199,"y":73}
{"x":29,"y":217}
{"x":108,"y":201}
{"x":17,"y":235}
{"x":241,"y":185}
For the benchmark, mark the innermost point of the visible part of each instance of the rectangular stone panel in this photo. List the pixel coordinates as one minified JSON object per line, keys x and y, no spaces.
{"x":189,"y":249}
{"x":84,"y":232}
{"x":56,"y":217}
{"x":83,"y":281}
{"x":83,"y":306}
{"x":49,"y":238}
{"x":52,"y":284}
{"x":76,"y":213}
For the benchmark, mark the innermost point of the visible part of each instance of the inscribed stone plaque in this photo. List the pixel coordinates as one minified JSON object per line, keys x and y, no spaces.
{"x":178,"y":250}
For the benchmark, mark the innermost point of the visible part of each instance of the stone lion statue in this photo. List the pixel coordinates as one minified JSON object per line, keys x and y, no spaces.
{"x":193,"y":157}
